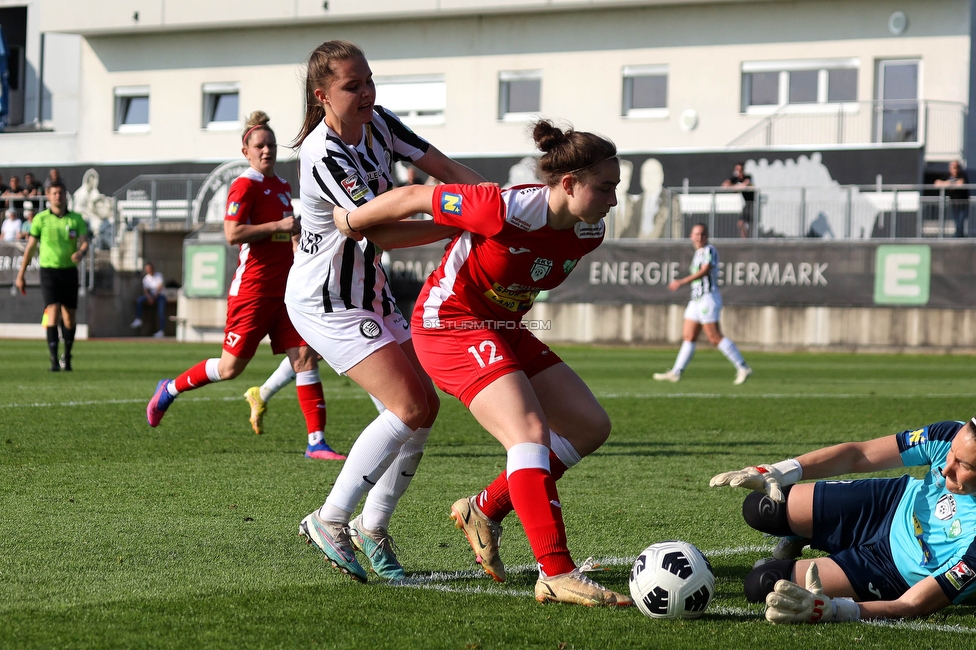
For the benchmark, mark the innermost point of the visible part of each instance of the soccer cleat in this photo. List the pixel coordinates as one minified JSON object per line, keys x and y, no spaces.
{"x":65,"y":363}
{"x":159,"y":334}
{"x":322,"y":451}
{"x":484,"y":536}
{"x":742,"y":374}
{"x":137,"y":323}
{"x":258,"y":408}
{"x":160,"y":401}
{"x":333,"y":540}
{"x":378,"y":547}
{"x":790,"y":547}
{"x":55,"y":365}
{"x":670,"y":375}
{"x":575,"y":588}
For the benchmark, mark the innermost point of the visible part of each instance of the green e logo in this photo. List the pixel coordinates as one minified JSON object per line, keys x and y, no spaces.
{"x":204,"y":268}
{"x":901,"y":275}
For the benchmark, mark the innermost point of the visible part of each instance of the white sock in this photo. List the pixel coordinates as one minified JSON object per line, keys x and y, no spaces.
{"x":564,"y":451}
{"x":685,"y":354}
{"x":382,"y":499}
{"x":527,"y":455}
{"x":378,"y":404}
{"x":371,"y":455}
{"x":280,"y":378}
{"x":212,"y":374}
{"x":316,"y":438}
{"x":727,"y":347}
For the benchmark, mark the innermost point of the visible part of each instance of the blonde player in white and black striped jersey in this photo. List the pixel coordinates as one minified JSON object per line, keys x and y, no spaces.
{"x":339,"y":300}
{"x":703,"y":311}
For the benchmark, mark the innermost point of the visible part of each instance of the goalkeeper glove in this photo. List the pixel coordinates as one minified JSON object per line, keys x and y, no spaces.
{"x":791,"y":603}
{"x":770,"y":479}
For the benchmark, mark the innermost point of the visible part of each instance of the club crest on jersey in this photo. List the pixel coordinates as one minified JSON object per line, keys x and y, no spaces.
{"x":960,"y":575}
{"x":945,"y":509}
{"x":232,"y":209}
{"x":370,"y":329}
{"x":354,"y":187}
{"x":540,"y":268}
{"x":451,"y":203}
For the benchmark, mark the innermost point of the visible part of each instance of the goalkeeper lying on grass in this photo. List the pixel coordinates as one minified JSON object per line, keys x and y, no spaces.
{"x":898,"y":547}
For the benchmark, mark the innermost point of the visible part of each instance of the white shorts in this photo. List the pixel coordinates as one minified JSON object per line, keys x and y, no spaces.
{"x":706,"y":309}
{"x":344,"y":338}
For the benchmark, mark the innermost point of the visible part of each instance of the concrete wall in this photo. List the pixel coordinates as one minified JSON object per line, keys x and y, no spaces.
{"x":766,"y":328}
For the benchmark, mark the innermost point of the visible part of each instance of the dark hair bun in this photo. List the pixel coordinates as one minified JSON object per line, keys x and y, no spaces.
{"x":547,"y":135}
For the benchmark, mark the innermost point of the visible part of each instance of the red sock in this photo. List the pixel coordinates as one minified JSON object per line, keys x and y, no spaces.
{"x":193,"y":378}
{"x":312,"y":401}
{"x":536,"y":502}
{"x":496,"y":502}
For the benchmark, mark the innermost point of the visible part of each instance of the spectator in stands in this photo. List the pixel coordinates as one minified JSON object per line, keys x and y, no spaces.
{"x":740,"y":180}
{"x":53,"y":178}
{"x":153,"y":293}
{"x":10,"y":230}
{"x":27,"y":220}
{"x":13,"y":192}
{"x":32,"y":186}
{"x":958,"y":198}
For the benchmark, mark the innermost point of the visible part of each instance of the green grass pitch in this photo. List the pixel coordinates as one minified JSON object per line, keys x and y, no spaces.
{"x":113,"y":534}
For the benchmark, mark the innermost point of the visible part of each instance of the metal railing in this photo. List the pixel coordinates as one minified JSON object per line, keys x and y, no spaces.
{"x":153,"y":198}
{"x":939,"y":125}
{"x":830,"y":212}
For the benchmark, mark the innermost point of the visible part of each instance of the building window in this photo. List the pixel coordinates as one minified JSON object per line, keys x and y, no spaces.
{"x":416,"y":99}
{"x":221,"y":106}
{"x":519,"y":94}
{"x":768,"y":85}
{"x":645,"y":91}
{"x":132,"y":109}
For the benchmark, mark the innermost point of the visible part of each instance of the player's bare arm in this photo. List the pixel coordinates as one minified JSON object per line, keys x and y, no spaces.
{"x":447,"y":170}
{"x":851,"y":458}
{"x":244,"y":233}
{"x":390,"y":207}
{"x":408,"y":233}
{"x":924,"y":598}
{"x":674,"y":285}
{"x":79,"y":254}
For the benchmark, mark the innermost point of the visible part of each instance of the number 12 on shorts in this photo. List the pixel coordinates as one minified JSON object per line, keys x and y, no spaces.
{"x":493,"y":355}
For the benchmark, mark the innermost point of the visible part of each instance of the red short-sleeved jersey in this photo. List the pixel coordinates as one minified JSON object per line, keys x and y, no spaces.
{"x":506,"y":254}
{"x":262,"y":268}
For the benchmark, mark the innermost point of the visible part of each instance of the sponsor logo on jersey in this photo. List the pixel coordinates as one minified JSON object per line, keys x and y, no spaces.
{"x":518,"y":223}
{"x":540,"y":268}
{"x":945,"y":509}
{"x":373,"y":175}
{"x":451,"y":203}
{"x":518,"y":251}
{"x":960,"y":575}
{"x":955,"y":530}
{"x":914,"y":438}
{"x":285,"y":199}
{"x":281,"y":236}
{"x":267,"y":192}
{"x":370,"y":329}
{"x":589,"y":231}
{"x":514,"y":301}
{"x":354,"y":187}
{"x":569,"y":265}
{"x":232,"y":209}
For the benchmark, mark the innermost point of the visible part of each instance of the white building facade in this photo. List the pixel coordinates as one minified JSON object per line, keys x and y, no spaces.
{"x":134,"y":82}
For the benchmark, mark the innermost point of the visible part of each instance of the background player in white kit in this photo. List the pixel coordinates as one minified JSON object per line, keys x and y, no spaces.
{"x":340,"y":302}
{"x":703,"y":310}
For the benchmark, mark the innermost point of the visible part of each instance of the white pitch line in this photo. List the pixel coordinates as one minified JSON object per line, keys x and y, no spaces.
{"x":141,"y":400}
{"x":436,"y":582}
{"x":774,"y":395}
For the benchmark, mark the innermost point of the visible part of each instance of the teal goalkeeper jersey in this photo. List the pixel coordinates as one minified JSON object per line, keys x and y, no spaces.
{"x":933,"y":532}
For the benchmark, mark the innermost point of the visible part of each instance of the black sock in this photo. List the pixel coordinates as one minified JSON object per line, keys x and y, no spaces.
{"x":52,"y":341}
{"x":68,"y":334}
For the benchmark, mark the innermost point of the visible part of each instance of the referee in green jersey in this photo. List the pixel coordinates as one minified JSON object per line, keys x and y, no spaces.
{"x":63,"y":240}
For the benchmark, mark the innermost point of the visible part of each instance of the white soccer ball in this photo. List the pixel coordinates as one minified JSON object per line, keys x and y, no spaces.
{"x":672,"y":580}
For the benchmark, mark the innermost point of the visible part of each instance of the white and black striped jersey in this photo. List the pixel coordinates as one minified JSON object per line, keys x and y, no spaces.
{"x":332,"y":272}
{"x":708,"y":283}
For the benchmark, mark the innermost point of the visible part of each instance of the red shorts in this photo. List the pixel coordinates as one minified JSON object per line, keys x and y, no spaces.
{"x":250,"y":319}
{"x":463,"y":361}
